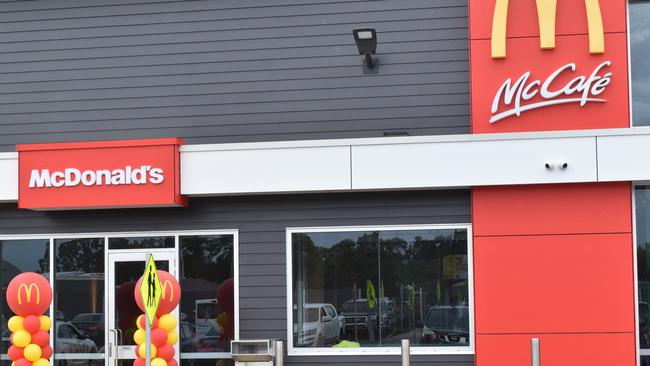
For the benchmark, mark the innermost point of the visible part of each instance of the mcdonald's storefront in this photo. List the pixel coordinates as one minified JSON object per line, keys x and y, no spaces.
{"x":482,"y":189}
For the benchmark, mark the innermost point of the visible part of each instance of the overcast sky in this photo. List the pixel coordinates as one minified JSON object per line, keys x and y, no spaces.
{"x":640,"y":47}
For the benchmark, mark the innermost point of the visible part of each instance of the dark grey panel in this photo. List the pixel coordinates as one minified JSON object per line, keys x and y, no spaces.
{"x":229,"y":71}
{"x":262,"y":223}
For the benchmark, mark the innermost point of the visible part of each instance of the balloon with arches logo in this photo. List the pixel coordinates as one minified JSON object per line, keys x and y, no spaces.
{"x":163,"y":330}
{"x":29,"y":296}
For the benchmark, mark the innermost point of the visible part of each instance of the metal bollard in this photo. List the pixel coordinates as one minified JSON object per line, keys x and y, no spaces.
{"x":279,"y":353}
{"x":406,"y":352}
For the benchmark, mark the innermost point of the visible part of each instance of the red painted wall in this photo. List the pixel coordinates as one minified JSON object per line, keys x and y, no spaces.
{"x":553,"y":262}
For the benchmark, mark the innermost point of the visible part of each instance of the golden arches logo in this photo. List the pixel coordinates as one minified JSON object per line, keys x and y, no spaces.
{"x":171,"y":290}
{"x":546,"y":14}
{"x":28,"y":293}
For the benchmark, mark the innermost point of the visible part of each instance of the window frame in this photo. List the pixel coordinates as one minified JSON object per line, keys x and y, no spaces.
{"x":105,"y":236}
{"x":392,"y":350}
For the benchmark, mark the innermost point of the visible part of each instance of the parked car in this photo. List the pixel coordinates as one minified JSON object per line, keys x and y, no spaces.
{"x":321,"y":325}
{"x":358,"y":315}
{"x":446,"y":325}
{"x":92,"y":324}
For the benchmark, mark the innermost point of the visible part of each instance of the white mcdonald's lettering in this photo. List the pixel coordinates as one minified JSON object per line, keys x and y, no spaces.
{"x":171,"y":290}
{"x":28,"y":293}
{"x":581,"y":89}
{"x":71,"y":177}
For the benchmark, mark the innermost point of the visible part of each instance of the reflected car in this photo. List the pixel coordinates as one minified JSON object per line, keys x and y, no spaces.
{"x":321,"y":325}
{"x":446,"y":325}
{"x":70,"y":340}
{"x":644,"y":324}
{"x":358,"y":315}
{"x":92,"y":324}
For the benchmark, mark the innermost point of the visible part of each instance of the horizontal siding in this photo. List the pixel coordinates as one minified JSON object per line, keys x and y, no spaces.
{"x":229,"y":71}
{"x":262,"y":223}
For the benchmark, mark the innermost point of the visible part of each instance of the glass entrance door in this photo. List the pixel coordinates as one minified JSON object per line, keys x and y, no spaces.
{"x":124,"y":270}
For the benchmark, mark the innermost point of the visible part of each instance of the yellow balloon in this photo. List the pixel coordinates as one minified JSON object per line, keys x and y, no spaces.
{"x":167,"y":322}
{"x":46,"y":322}
{"x":15,"y":323}
{"x":142,"y":351}
{"x":137,"y":322}
{"x":140,"y":336}
{"x":21,"y":338}
{"x":32,"y":352}
{"x":158,"y":362}
{"x":172,"y":337}
{"x":41,"y":362}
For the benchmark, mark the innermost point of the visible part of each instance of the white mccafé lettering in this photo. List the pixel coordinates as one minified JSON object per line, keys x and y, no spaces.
{"x":71,"y":177}
{"x":581,"y":89}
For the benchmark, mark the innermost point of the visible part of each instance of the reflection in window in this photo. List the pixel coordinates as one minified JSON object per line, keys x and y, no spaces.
{"x":640,"y":62}
{"x":207,"y":304}
{"x":79,"y":297}
{"x":20,"y":256}
{"x":375,"y":288}
{"x":642,"y":198}
{"x":141,"y":243}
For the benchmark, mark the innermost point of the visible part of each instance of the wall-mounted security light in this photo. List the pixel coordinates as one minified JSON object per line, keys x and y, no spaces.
{"x":366,"y":39}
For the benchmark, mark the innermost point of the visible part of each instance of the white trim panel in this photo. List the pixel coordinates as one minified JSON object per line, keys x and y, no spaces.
{"x":304,"y":169}
{"x":8,"y":177}
{"x":474,"y":163}
{"x":623,"y":158}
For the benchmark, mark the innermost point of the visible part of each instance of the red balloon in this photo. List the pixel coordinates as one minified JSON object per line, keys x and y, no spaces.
{"x":32,"y":324}
{"x":172,"y":362}
{"x":29,"y":293}
{"x":126,"y":304}
{"x":139,"y":361}
{"x":143,"y":322}
{"x":166,"y":352}
{"x":46,"y":352}
{"x":226,"y":296}
{"x":15,"y":353}
{"x":158,"y":337}
{"x":22,"y":362}
{"x":41,"y":338}
{"x":170,"y":294}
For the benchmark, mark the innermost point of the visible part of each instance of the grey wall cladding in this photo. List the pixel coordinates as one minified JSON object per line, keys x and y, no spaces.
{"x":229,"y":70}
{"x":262,"y":221}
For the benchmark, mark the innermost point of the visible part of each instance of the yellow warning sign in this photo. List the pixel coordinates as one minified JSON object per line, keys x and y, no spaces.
{"x":150,"y":289}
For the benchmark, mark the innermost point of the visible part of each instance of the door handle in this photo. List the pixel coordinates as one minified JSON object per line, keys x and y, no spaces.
{"x":534,"y":348}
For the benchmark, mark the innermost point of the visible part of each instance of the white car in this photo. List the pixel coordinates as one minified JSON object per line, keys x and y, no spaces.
{"x":318,"y":325}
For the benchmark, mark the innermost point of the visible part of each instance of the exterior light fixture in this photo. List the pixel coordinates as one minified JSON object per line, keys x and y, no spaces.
{"x":366,"y":39}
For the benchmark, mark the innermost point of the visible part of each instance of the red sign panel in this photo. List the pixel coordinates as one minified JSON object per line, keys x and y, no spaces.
{"x":102,"y":174}
{"x":539,"y":65}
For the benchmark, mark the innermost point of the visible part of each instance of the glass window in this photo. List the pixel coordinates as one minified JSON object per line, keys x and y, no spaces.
{"x":79,"y":295}
{"x":642,"y":197}
{"x":640,"y":62}
{"x":387,"y":285}
{"x":207,"y":304}
{"x":18,"y":256}
{"x":141,"y":243}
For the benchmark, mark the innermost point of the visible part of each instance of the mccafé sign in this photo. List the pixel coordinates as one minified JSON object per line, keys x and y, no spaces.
{"x":548,"y":65}
{"x":103,"y":174}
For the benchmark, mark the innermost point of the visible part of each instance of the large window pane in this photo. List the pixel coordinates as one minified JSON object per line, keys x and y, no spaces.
{"x":18,"y":256}
{"x":79,"y":296}
{"x":642,"y":197}
{"x":640,"y":63}
{"x":207,"y":271}
{"x":375,"y":288}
